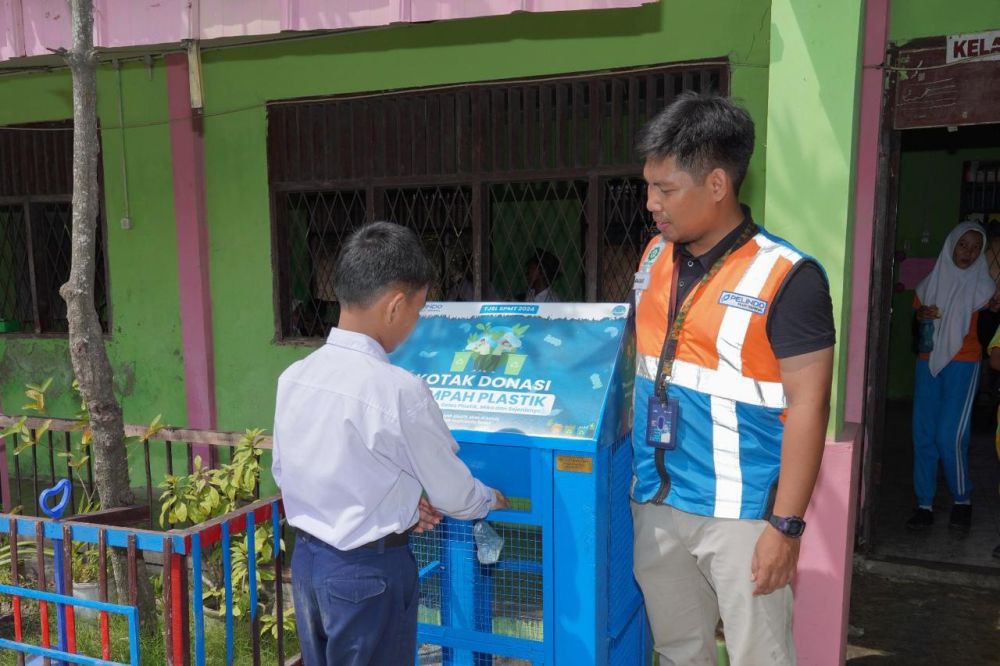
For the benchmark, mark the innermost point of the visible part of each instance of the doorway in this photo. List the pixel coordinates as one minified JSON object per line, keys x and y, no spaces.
{"x":936,"y":177}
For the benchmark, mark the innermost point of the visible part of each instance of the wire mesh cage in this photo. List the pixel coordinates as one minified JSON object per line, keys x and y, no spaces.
{"x":507,"y":596}
{"x":435,"y":655}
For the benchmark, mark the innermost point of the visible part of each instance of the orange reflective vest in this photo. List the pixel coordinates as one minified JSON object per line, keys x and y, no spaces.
{"x":725,"y":378}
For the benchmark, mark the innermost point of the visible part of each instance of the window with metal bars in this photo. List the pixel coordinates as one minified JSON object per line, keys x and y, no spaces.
{"x":36,"y":230}
{"x":520,"y":190}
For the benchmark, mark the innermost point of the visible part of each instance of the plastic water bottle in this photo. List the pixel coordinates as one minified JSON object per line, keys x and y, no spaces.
{"x":925,"y":337}
{"x":488,"y":543}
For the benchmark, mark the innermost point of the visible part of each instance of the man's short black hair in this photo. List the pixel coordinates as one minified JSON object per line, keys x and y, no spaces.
{"x":701,"y":132}
{"x":376,"y":257}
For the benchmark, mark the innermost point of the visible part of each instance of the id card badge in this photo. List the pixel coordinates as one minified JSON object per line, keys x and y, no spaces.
{"x":661,"y":424}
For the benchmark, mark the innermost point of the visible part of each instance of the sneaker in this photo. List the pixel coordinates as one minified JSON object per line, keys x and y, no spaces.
{"x":996,"y":552}
{"x":921,"y":520}
{"x":961,"y":518}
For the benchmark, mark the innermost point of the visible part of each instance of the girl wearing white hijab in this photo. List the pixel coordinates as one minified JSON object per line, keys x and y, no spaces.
{"x":951,"y":297}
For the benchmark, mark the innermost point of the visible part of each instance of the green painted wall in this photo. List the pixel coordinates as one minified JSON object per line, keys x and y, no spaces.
{"x":146,"y":341}
{"x":811,"y":127}
{"x":911,"y":19}
{"x":239,"y":81}
{"x":24,"y":359}
{"x":144,"y":344}
{"x":930,"y":184}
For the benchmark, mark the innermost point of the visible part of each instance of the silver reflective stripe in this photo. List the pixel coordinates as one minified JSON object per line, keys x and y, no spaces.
{"x":722,"y":383}
{"x":728,"y":380}
{"x":726,"y":457}
{"x":728,"y":384}
{"x":646,"y":366}
{"x":736,"y":321}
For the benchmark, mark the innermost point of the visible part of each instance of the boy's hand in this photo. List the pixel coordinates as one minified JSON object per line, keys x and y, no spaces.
{"x":429,"y":517}
{"x":501,"y":501}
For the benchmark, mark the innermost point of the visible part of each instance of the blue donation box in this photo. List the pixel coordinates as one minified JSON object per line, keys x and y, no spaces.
{"x":539,"y":398}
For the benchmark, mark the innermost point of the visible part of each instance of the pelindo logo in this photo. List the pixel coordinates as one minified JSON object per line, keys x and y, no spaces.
{"x":743,"y":302}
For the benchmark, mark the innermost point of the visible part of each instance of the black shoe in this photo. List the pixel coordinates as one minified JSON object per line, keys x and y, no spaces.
{"x":996,"y":552}
{"x":961,"y":518}
{"x":921,"y":520}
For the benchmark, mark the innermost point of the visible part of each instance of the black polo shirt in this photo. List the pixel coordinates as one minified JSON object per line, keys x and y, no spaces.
{"x":800,"y":320}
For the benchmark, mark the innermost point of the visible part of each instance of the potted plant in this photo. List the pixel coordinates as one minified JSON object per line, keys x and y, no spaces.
{"x":209,"y":493}
{"x":85,"y":564}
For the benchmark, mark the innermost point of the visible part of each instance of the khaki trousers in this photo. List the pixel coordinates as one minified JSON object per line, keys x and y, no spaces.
{"x":695,"y":569}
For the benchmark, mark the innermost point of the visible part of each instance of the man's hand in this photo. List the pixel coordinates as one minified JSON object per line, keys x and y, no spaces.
{"x":774,"y":561}
{"x":501,"y":501}
{"x":429,"y":517}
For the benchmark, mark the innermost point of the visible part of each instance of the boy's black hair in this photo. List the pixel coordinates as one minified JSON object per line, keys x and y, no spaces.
{"x":701,"y":132}
{"x":376,"y":257}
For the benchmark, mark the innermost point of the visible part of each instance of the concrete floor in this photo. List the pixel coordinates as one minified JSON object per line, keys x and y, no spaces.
{"x":929,"y":597}
{"x":890,"y":540}
{"x":914,"y":622}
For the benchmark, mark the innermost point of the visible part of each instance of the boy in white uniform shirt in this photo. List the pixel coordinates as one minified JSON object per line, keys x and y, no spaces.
{"x":357,"y":441}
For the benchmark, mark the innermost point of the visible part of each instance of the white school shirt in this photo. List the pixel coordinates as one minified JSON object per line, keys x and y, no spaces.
{"x":547,"y":295}
{"x":356,"y":441}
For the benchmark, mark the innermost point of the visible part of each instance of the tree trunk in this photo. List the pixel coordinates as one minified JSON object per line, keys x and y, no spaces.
{"x":86,"y":342}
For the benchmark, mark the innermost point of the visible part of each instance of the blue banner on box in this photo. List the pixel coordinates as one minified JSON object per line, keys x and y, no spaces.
{"x":538,"y":369}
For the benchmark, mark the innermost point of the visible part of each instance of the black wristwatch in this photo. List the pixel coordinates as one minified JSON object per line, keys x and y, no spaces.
{"x":791,"y":526}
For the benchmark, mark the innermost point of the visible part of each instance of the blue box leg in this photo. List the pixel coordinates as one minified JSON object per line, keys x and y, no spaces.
{"x":484,"y":609}
{"x":458,"y":602}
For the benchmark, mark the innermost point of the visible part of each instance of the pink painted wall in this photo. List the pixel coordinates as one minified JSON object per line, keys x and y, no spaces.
{"x":31,"y":27}
{"x":188,"y":163}
{"x":915,"y":269}
{"x":822,"y":585}
{"x":866,"y":176}
{"x":823,"y":582}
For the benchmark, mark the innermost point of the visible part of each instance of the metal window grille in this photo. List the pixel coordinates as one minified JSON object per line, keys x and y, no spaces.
{"x":538,"y":231}
{"x":626,"y":230}
{"x":442,"y":218}
{"x":35,"y":252}
{"x":981,"y":201}
{"x":496,"y":178}
{"x":315,"y":224}
{"x":36,"y":229}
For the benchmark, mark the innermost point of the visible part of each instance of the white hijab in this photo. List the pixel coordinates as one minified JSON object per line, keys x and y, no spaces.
{"x":957,"y":293}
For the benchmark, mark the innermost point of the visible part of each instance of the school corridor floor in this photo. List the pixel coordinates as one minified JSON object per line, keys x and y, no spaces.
{"x":934,"y":597}
{"x":890,"y":538}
